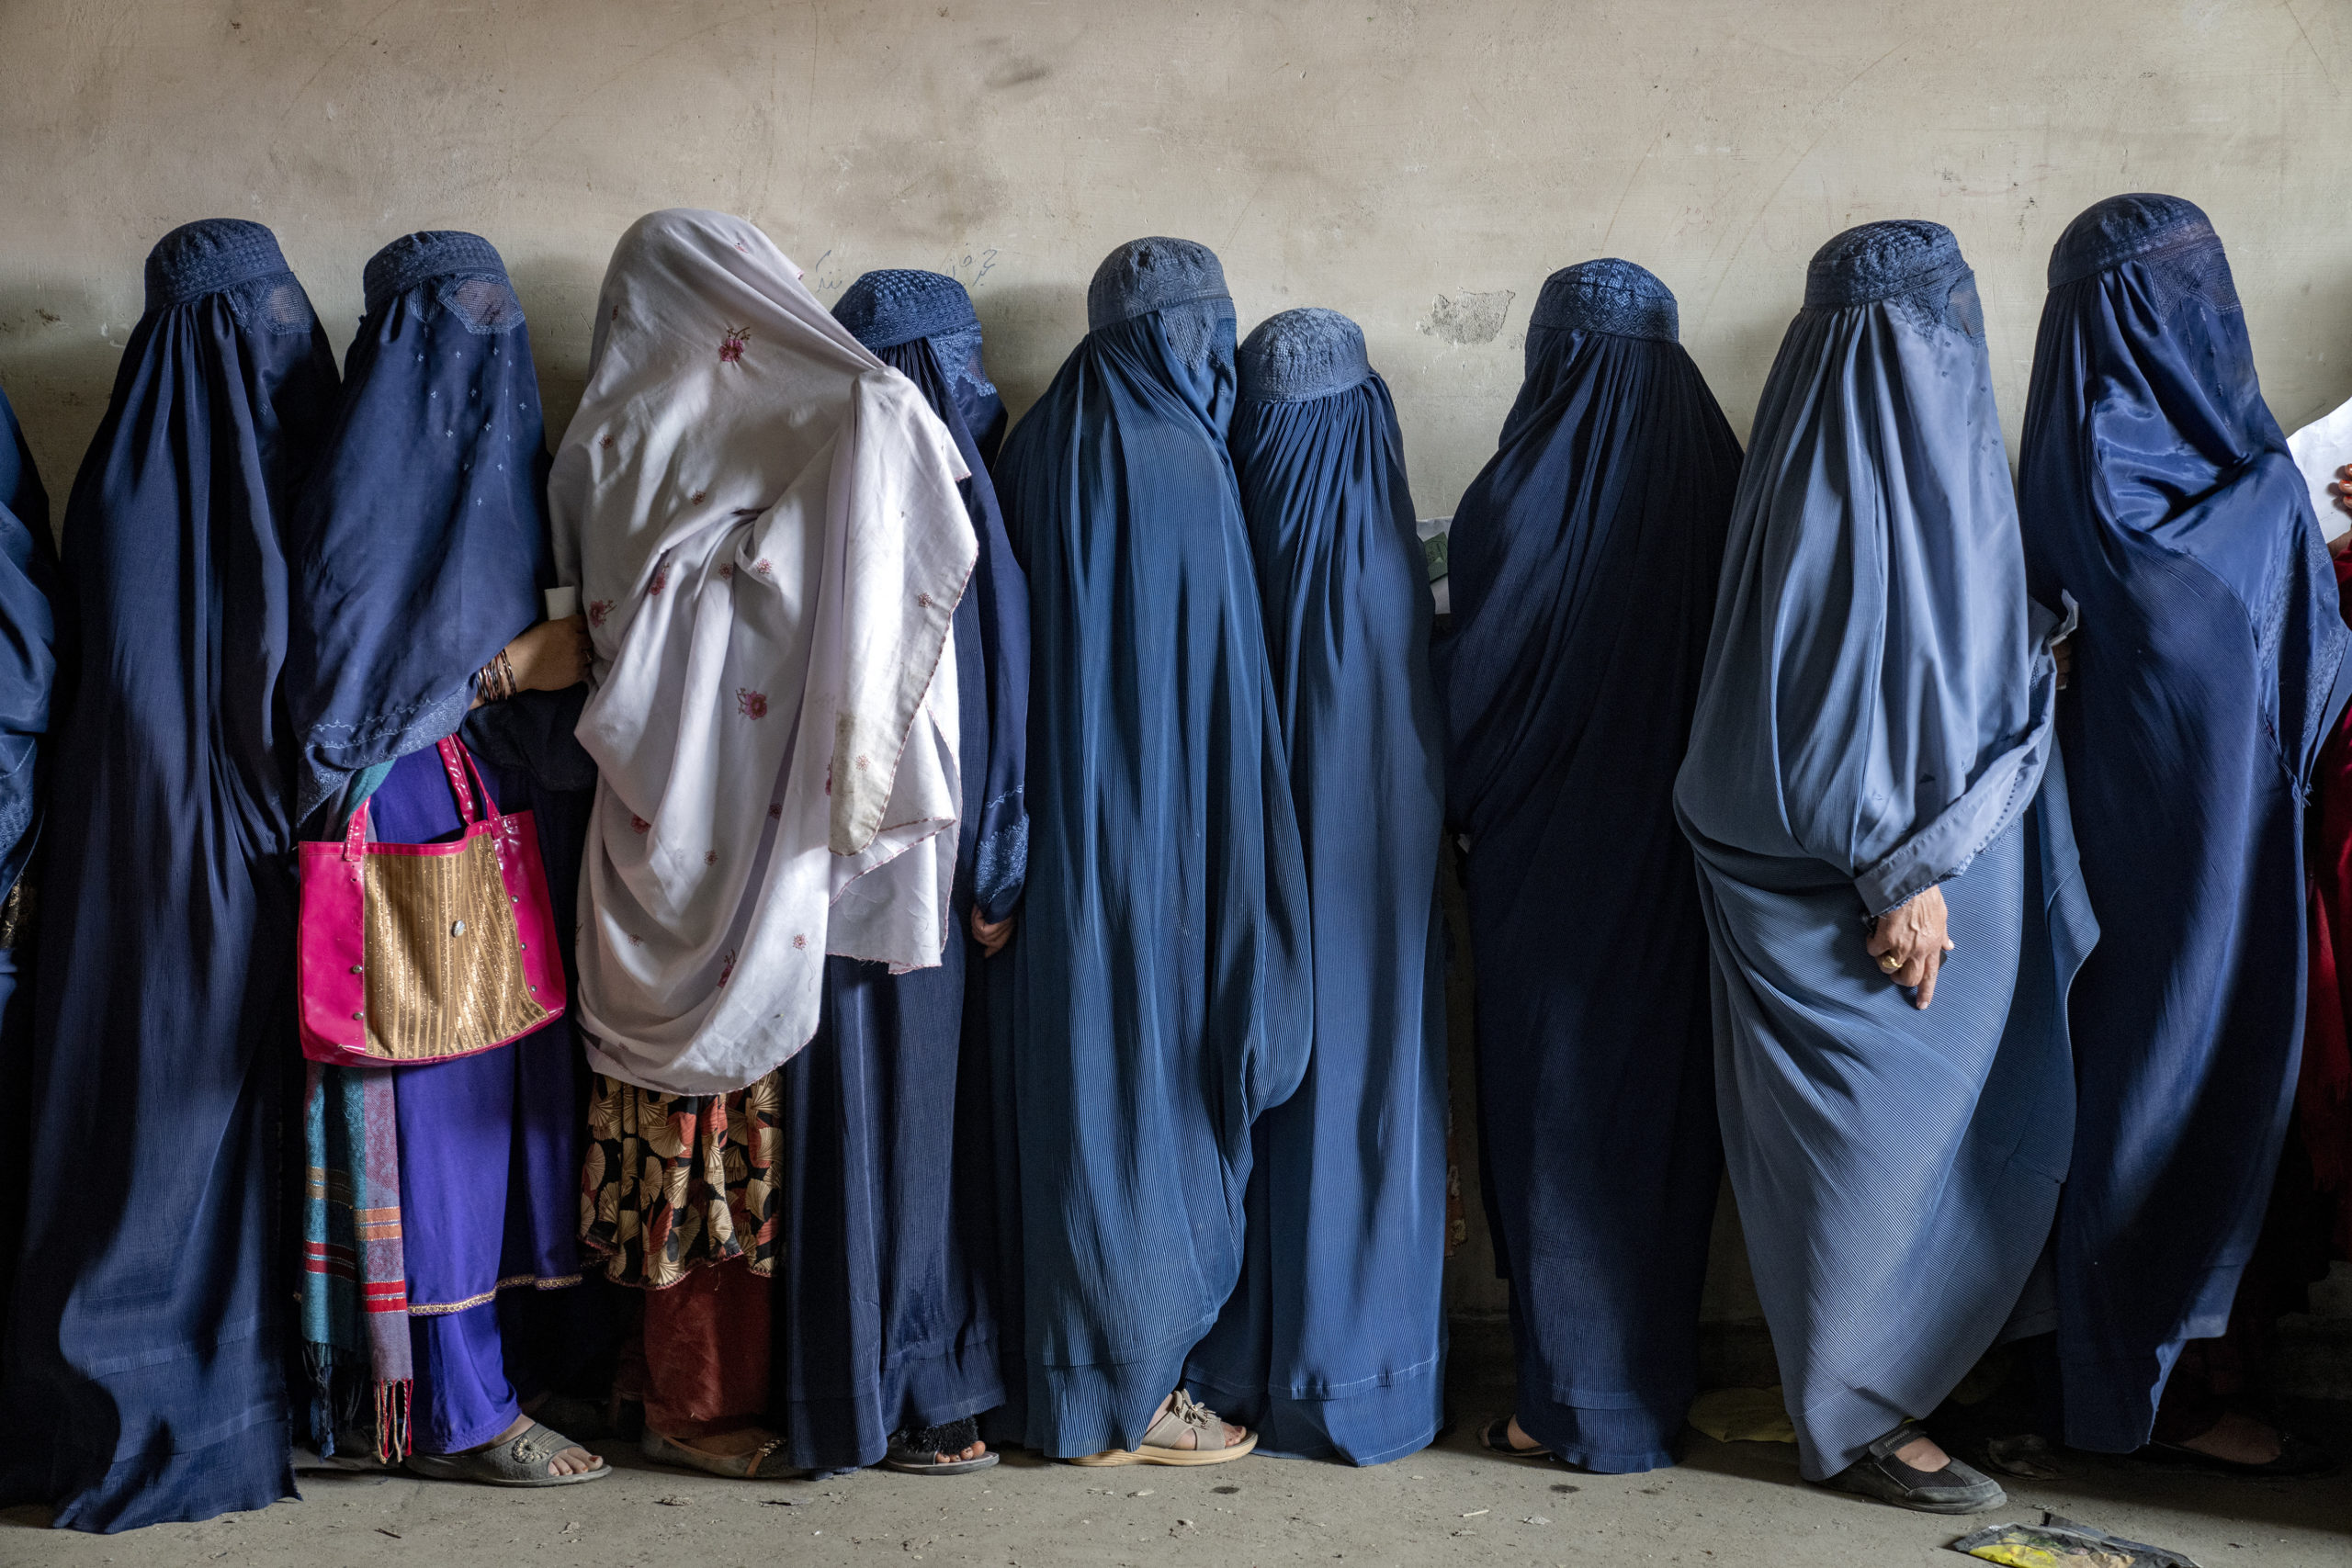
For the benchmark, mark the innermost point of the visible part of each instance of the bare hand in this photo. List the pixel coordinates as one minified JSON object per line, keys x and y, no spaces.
{"x":991,"y":938}
{"x":1912,"y":936}
{"x":2063,"y":651}
{"x":2341,"y":488}
{"x":552,"y":655}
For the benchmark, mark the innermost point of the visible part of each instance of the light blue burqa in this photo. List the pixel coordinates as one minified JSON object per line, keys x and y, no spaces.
{"x":1875,"y":719}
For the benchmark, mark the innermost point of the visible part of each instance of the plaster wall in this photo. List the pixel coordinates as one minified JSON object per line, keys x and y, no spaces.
{"x":1420,"y":167}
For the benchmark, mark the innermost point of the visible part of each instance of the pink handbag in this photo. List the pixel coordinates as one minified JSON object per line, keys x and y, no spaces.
{"x":421,"y":952}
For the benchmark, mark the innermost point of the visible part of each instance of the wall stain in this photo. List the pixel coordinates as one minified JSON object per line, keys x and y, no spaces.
{"x":1469,"y":317}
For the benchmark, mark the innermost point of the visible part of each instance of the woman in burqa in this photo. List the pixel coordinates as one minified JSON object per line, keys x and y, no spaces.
{"x":2157,"y":491}
{"x":418,"y":557}
{"x":1163,"y":996}
{"x":886,"y":1339}
{"x":28,"y":674}
{"x":766,"y":525}
{"x":1333,"y":1343}
{"x":1886,"y":865}
{"x":144,"y":1368}
{"x":1584,"y":561}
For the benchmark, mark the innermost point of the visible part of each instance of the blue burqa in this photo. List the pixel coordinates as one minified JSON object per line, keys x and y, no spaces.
{"x":1163,"y":995}
{"x":885,"y":1312}
{"x":1875,"y":720}
{"x":2157,"y":491}
{"x":144,"y":1376}
{"x":1333,"y":1343}
{"x":419,"y":549}
{"x":28,"y":673}
{"x":1584,"y":562}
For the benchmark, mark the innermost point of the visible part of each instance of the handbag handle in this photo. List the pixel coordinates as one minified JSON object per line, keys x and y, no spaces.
{"x":457,"y":762}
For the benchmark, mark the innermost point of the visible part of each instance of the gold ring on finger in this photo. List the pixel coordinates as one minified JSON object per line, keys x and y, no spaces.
{"x":1889,"y":962}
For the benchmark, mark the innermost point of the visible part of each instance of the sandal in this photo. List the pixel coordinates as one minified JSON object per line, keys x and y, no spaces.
{"x":2297,"y":1459}
{"x":1957,"y":1488}
{"x":1158,"y":1445}
{"x":752,"y":1464}
{"x":1495,"y":1438}
{"x":521,"y":1460}
{"x":916,"y":1451}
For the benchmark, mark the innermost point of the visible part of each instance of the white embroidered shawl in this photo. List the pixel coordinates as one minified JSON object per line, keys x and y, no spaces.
{"x":763,"y":524}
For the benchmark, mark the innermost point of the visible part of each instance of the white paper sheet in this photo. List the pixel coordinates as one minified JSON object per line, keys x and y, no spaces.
{"x":2320,"y":448}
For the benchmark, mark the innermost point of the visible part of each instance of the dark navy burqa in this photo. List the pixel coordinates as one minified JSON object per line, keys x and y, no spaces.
{"x":1875,"y":720}
{"x":144,"y":1369}
{"x":914,"y":323}
{"x":1584,"y":562}
{"x":2156,"y":488}
{"x":1333,"y":1343}
{"x":885,"y":1314}
{"x":28,"y":673}
{"x":1163,"y":996}
{"x":419,"y":549}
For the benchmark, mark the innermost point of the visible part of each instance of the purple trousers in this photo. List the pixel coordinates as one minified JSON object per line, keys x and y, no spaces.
{"x":489,"y":1186}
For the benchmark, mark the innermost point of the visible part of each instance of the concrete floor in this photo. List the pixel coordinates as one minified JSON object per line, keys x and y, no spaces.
{"x":1730,"y":1504}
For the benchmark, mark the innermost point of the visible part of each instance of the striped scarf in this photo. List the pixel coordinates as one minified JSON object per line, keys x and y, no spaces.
{"x":355,"y":1279}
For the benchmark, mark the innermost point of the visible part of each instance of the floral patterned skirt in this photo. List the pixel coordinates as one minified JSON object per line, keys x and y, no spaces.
{"x":672,"y":1182}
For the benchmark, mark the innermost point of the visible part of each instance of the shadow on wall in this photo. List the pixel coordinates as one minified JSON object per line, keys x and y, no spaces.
{"x":1028,"y":330}
{"x":61,"y":350}
{"x":558,"y":288}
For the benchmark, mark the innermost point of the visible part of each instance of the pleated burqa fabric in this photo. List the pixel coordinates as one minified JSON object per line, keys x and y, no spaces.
{"x":1875,"y":720}
{"x":910,"y":317}
{"x":885,"y":1312}
{"x":1333,"y":1343}
{"x":145,"y":1362}
{"x":2156,"y":489}
{"x":421,"y":548}
{"x":28,"y":677}
{"x":1584,"y":562}
{"x":1163,"y":995}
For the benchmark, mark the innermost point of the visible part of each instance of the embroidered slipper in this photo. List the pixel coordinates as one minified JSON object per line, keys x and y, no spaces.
{"x":1495,"y":1438}
{"x":916,"y":1451}
{"x":751,"y":1465}
{"x":521,"y":1460}
{"x":1158,"y":1445}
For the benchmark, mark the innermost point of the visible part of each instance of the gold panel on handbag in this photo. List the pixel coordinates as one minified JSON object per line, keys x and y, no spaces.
{"x":445,"y":966}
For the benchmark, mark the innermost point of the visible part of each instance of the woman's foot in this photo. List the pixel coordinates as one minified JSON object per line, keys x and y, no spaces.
{"x":1504,"y":1436}
{"x":526,"y":1454}
{"x":2243,"y":1445}
{"x":953,"y":1449}
{"x":2237,"y":1440}
{"x":1184,"y":1432}
{"x":1190,"y":1439}
{"x":744,"y":1453}
{"x":573,"y":1461}
{"x":1910,"y":1470}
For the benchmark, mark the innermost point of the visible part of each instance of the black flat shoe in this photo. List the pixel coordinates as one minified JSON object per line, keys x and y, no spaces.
{"x":1957,"y":1488}
{"x":2297,"y":1461}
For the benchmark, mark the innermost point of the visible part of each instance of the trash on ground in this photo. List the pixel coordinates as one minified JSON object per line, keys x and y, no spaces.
{"x":1743,"y":1415}
{"x":2060,"y":1542}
